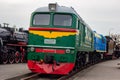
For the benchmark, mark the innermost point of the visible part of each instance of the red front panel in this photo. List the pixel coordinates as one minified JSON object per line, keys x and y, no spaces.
{"x":62,"y":68}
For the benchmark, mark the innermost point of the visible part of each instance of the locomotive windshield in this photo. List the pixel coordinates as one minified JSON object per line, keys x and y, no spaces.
{"x":62,"y":20}
{"x":41,"y":19}
{"x":56,"y":19}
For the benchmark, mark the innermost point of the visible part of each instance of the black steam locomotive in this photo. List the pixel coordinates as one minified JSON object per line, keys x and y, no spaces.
{"x":12,"y":45}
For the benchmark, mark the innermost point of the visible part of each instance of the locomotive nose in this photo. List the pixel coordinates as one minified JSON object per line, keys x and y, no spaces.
{"x":49,"y":59}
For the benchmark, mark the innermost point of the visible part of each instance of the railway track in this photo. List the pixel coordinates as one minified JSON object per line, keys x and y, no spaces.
{"x":21,"y":76}
{"x":36,"y":76}
{"x":30,"y":77}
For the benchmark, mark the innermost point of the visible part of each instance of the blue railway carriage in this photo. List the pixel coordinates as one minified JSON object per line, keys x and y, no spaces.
{"x":99,"y":45}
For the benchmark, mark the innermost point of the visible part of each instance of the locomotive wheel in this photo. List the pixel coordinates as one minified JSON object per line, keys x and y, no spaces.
{"x":17,"y":57}
{"x":78,"y":62}
{"x":11,"y":57}
{"x":5,"y":58}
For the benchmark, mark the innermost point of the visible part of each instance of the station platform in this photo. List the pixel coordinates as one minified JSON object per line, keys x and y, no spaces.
{"x":12,"y":70}
{"x":108,"y":70}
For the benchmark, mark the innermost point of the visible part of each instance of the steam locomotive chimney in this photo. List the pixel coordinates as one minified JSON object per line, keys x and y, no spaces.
{"x":7,"y":24}
{"x":4,"y":24}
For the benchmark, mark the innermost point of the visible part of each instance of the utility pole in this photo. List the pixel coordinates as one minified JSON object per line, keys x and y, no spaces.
{"x":4,"y":24}
{"x":110,"y":31}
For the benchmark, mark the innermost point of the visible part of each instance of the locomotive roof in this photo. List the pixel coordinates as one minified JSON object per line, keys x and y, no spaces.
{"x":59,"y":9}
{"x":63,"y":9}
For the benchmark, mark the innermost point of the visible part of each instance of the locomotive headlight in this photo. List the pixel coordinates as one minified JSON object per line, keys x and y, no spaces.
{"x":67,"y":50}
{"x":32,"y":49}
{"x":52,"y":7}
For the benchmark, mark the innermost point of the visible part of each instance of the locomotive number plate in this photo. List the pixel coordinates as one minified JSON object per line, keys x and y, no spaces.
{"x":49,"y":41}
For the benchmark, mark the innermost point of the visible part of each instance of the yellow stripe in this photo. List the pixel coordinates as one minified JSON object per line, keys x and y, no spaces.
{"x":53,"y":34}
{"x":97,"y":35}
{"x":100,"y":51}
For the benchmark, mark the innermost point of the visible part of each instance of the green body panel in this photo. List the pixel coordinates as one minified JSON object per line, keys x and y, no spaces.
{"x":64,"y":58}
{"x":86,"y":38}
{"x":65,"y":41}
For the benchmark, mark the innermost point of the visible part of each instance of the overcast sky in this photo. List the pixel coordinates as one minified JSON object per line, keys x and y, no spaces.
{"x":102,"y":16}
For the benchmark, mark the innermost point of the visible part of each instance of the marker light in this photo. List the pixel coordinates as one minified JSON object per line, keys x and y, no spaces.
{"x":52,"y":6}
{"x":67,"y":50}
{"x":32,"y":49}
